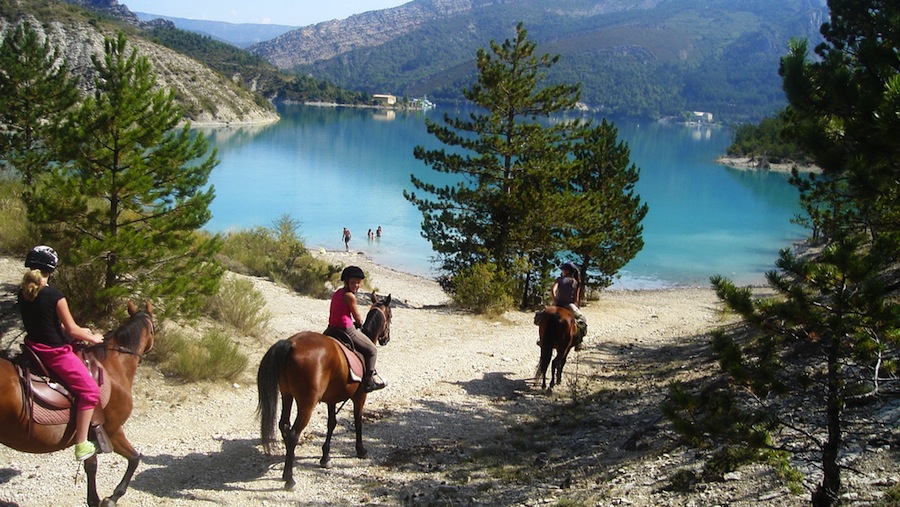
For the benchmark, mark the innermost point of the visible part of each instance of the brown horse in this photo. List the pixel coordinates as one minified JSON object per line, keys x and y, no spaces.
{"x":557,"y":329}
{"x":119,"y":354}
{"x":311,"y":368}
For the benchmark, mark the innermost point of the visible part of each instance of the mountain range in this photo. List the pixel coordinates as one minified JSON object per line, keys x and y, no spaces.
{"x":646,"y":58}
{"x":640,"y":58}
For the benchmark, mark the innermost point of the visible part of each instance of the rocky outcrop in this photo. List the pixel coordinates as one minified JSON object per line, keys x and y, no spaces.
{"x":332,"y":38}
{"x":205,"y":96}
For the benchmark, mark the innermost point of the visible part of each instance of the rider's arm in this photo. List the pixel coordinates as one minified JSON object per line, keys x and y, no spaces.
{"x":72,"y":329}
{"x":350,"y":300}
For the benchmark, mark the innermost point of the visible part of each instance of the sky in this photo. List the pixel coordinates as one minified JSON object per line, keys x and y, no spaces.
{"x":280,"y":12}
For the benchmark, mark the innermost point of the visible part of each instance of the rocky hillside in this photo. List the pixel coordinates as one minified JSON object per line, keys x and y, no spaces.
{"x":205,"y":96}
{"x":333,"y":38}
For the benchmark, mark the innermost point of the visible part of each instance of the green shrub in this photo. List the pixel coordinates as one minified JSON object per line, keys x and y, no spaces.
{"x":214,"y":357}
{"x":483,"y":288}
{"x":279,"y":254}
{"x":240,"y":305}
{"x":16,"y":235}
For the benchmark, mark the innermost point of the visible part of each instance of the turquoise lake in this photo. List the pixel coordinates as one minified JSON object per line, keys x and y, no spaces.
{"x":331,"y":168}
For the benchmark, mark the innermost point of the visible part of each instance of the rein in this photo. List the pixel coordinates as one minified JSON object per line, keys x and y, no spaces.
{"x":115,"y":348}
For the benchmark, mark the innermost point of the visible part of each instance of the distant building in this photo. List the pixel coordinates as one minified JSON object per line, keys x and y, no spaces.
{"x":702,"y":117}
{"x":387,"y":99}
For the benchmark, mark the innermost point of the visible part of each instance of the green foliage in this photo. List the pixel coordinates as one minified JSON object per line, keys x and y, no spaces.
{"x":214,"y":357}
{"x":529,"y":188}
{"x":278,"y":252}
{"x":766,"y":141}
{"x":128,"y":193}
{"x":16,"y":234}
{"x":241,"y":306}
{"x":482,"y":288}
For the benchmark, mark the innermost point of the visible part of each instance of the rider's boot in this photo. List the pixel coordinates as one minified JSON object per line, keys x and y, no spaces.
{"x":373,"y":382}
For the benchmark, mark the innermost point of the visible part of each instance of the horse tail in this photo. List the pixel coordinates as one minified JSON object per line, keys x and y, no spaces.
{"x":549,"y":336}
{"x":267,"y":378}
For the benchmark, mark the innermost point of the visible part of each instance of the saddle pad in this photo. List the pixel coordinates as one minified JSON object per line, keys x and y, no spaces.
{"x":356,"y":366}
{"x":45,"y":414}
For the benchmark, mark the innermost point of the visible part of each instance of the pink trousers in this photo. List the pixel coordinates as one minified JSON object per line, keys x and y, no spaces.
{"x":63,"y":362}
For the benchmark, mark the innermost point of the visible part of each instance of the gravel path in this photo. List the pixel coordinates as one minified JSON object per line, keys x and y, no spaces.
{"x":459,"y":385}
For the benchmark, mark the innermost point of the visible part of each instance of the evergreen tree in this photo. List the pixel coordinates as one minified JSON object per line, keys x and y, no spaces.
{"x":603,"y":214}
{"x":35,"y":91}
{"x":829,"y":339}
{"x":130,"y":192}
{"x":509,"y":205}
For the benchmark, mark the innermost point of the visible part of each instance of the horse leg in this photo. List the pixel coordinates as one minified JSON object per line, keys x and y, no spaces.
{"x":90,"y":471}
{"x":123,"y":448}
{"x":361,"y":451}
{"x":325,"y":462}
{"x":290,"y":436}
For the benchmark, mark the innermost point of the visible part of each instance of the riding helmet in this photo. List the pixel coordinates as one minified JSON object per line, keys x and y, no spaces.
{"x":43,"y":258}
{"x":352,"y":272}
{"x":569,"y":266}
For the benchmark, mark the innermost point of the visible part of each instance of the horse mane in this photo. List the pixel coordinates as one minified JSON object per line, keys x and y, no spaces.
{"x":128,"y":334}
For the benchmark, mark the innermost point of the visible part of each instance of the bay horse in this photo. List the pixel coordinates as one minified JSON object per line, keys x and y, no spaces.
{"x":311,"y":368}
{"x":557,"y":329}
{"x":119,"y":354}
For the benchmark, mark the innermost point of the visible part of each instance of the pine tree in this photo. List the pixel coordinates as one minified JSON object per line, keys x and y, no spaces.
{"x":130,"y":192}
{"x":35,"y":91}
{"x":509,"y":205}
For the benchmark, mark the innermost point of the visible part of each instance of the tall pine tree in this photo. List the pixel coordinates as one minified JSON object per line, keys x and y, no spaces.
{"x":129,"y":193}
{"x":513,"y":205}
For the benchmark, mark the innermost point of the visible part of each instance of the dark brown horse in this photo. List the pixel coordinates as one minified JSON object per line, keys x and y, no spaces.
{"x":120,"y":354}
{"x":311,"y":368}
{"x":557,"y":330}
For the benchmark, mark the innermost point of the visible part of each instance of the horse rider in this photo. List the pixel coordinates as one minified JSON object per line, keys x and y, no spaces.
{"x":51,"y":330}
{"x":344,"y":318}
{"x":566,"y":294}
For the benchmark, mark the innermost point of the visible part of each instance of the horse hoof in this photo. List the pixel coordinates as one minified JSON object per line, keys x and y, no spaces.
{"x":289,"y":486}
{"x":325,"y":463}
{"x":362,"y":453}
{"x":108,"y":503}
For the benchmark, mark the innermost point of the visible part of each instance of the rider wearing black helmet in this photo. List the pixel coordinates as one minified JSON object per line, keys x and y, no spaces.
{"x":344,"y":318}
{"x":50,"y":332}
{"x":566,"y":293}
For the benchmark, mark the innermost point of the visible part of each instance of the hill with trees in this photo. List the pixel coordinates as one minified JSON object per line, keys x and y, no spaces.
{"x":653,"y":59}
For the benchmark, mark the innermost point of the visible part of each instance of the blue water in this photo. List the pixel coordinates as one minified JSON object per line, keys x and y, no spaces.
{"x":332,"y":168}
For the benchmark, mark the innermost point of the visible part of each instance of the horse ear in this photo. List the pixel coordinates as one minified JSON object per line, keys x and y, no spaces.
{"x":131,"y":308}
{"x":148,"y":307}
{"x":387,"y":300}
{"x":374,"y":298}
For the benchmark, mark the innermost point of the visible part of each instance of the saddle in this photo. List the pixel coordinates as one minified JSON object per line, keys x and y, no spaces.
{"x":48,"y":402}
{"x":354,"y":358}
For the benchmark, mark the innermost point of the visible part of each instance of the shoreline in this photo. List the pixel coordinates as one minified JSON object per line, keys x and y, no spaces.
{"x":753,"y":164}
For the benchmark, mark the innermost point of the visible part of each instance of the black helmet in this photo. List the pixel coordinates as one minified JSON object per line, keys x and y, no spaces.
{"x":352,"y":272}
{"x":569,"y":266}
{"x":43,"y":258}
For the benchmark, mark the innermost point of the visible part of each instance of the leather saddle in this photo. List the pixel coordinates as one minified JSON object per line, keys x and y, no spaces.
{"x":48,"y":402}
{"x":354,"y":358}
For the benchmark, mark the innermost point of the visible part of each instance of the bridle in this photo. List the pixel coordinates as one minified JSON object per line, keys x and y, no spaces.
{"x":125,"y":350}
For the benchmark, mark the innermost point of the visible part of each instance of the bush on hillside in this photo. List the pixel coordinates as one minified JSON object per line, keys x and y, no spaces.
{"x":240,"y":305}
{"x":214,"y":357}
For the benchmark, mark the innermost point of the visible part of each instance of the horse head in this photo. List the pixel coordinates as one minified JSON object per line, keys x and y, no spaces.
{"x":135,"y":336}
{"x":378,"y":321}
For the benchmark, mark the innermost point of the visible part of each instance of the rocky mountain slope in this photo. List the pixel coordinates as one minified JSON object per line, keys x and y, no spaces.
{"x":205,"y":96}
